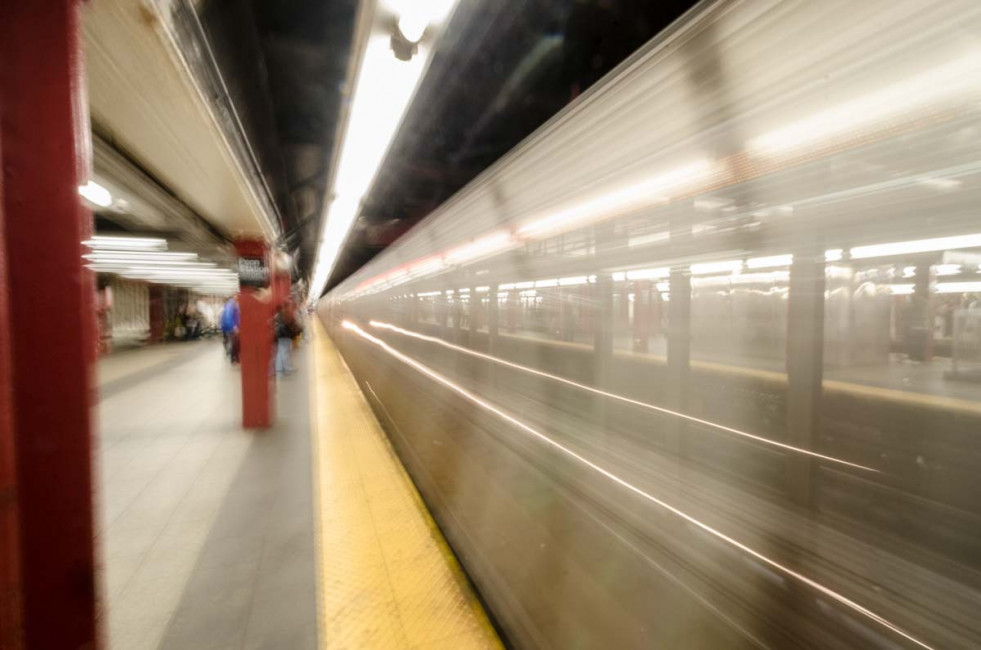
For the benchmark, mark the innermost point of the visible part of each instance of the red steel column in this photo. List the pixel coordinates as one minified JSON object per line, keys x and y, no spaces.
{"x":46,"y":148}
{"x":255,"y":343}
{"x":11,"y":619}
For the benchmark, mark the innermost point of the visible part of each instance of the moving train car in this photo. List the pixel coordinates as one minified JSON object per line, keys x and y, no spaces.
{"x":697,"y":364}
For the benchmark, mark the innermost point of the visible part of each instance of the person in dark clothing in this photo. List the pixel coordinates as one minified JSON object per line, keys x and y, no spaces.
{"x":230,"y":321}
{"x":286,"y":327}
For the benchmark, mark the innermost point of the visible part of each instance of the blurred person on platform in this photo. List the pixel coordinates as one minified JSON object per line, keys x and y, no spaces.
{"x":286,"y":327}
{"x":230,"y":321}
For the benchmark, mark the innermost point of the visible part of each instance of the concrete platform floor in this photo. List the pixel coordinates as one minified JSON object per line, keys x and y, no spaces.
{"x":307,"y":535}
{"x":206,"y":530}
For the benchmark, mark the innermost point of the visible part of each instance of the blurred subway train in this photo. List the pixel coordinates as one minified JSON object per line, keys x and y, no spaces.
{"x":698,"y":365}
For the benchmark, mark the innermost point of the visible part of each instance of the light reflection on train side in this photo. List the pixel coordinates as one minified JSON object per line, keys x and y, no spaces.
{"x":786,"y":571}
{"x":621,"y":398}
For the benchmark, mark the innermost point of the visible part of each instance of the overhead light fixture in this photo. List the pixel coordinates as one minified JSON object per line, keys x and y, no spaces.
{"x":833,"y":255}
{"x":771,"y":261}
{"x":947,"y":269}
{"x":414,"y":16}
{"x":95,"y":193}
{"x":649,"y":274}
{"x":704,"y":268}
{"x":139,"y":256}
{"x":108,"y":242}
{"x":957,"y":287}
{"x":916,"y":246}
{"x":382,"y":92}
{"x":107,"y":261}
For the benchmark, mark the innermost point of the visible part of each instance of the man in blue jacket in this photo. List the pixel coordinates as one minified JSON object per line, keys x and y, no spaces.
{"x":230,"y":320}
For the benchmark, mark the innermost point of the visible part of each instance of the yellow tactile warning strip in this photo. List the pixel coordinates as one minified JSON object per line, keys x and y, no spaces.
{"x":387,"y":577}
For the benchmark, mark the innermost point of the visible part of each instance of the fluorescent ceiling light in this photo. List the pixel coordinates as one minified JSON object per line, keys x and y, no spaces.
{"x":382,"y":93}
{"x":134,"y":263}
{"x":545,"y":284}
{"x":957,"y":287}
{"x":416,"y":15}
{"x":729,"y":266}
{"x":947,"y":269}
{"x":96,"y":194}
{"x":763,"y":277}
{"x":916,"y":246}
{"x":649,"y":274}
{"x":104,"y":242}
{"x":483,"y":289}
{"x":904,"y":99}
{"x":771,"y":261}
{"x":901,"y":289}
{"x":573,"y":281}
{"x":833,"y":255}
{"x":139,"y":256}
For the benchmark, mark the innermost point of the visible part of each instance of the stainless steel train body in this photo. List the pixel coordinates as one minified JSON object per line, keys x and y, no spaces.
{"x":696,"y":365}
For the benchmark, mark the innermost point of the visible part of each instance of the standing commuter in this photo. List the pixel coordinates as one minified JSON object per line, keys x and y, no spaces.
{"x":286,"y":327}
{"x":230,"y":321}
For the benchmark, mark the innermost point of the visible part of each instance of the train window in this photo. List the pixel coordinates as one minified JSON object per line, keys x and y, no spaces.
{"x":908,"y":325}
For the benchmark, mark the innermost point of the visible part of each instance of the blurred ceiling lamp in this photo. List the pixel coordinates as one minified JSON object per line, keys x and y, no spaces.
{"x":95,"y":193}
{"x":947,"y":269}
{"x":729,"y":266}
{"x":957,"y":287}
{"x":916,"y":246}
{"x":416,"y":15}
{"x":139,"y":256}
{"x":104,"y":242}
{"x":131,"y":264}
{"x":649,"y":274}
{"x":382,"y":92}
{"x":770,"y":261}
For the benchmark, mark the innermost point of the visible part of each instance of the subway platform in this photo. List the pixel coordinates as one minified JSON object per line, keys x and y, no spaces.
{"x":306,"y":535}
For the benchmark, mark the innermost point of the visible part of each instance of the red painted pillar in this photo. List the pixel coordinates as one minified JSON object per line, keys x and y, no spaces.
{"x":11,"y":619}
{"x":255,"y":334}
{"x":44,"y":132}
